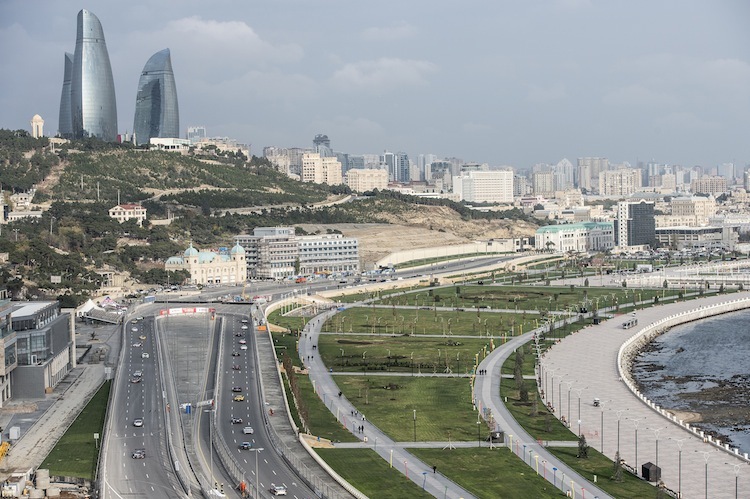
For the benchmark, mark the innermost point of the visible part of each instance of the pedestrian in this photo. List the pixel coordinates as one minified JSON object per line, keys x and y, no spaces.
{"x":434,"y":468}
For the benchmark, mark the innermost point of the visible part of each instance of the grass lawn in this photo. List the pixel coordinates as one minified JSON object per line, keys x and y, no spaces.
{"x":543,"y":426}
{"x":401,"y":353}
{"x":286,"y":343}
{"x":371,"y":320}
{"x":370,"y":473}
{"x":291,"y":323}
{"x":321,"y":421}
{"x":489,"y":473}
{"x":76,"y":453}
{"x":443,"y":405}
{"x":601,"y":466}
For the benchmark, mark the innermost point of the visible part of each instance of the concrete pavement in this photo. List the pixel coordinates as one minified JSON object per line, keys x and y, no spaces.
{"x":584,"y":366}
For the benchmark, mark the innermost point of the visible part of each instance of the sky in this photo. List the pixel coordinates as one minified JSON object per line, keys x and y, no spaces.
{"x":493,"y":81}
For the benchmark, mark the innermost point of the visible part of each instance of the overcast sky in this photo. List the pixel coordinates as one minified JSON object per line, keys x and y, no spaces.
{"x":502,"y":82}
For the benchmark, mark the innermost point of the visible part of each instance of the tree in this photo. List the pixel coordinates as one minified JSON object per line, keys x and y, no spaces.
{"x":586,"y":282}
{"x":523,"y":392}
{"x":617,"y":468}
{"x":583,"y":448}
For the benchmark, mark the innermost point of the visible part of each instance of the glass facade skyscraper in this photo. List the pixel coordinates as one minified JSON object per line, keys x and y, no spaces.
{"x":156,"y":110}
{"x":66,"y":120}
{"x":92,"y":105}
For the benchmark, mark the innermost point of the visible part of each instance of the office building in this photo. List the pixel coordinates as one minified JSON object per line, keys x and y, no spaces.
{"x":321,"y":170}
{"x":701,"y":208}
{"x":620,"y":183}
{"x":635,"y":225}
{"x":709,"y":184}
{"x":209,"y":267}
{"x":484,"y":186}
{"x":679,"y":238}
{"x":156,"y":111}
{"x":322,"y":146}
{"x":328,"y":253}
{"x":364,"y":180}
{"x":87,"y":106}
{"x":45,"y":347}
{"x":403,"y":172}
{"x":579,"y":237}
{"x":7,"y":347}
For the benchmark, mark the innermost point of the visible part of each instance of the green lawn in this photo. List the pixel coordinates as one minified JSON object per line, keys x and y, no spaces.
{"x":352,"y":352}
{"x":371,"y":320}
{"x":371,"y":474}
{"x":321,"y":421}
{"x":76,"y":453}
{"x":601,"y":466}
{"x":489,"y":473}
{"x":443,"y":405}
{"x":543,"y":426}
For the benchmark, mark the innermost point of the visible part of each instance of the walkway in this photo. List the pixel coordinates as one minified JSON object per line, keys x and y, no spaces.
{"x":435,"y":483}
{"x":689,"y":465}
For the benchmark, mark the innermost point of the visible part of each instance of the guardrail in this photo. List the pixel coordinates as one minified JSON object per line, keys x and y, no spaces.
{"x":629,"y":349}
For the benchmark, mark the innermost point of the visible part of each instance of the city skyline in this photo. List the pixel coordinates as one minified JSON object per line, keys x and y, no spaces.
{"x":532,"y":83}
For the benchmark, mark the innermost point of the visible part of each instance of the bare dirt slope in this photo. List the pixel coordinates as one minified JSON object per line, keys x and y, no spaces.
{"x":422,"y":227}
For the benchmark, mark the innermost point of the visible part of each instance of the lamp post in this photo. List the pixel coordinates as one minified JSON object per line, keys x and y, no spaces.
{"x":415,"y":425}
{"x":706,"y":455}
{"x":559,"y":393}
{"x":679,"y":441}
{"x":257,"y":478}
{"x":736,"y":478}
{"x":619,"y":414}
{"x":479,"y":429}
{"x":570,"y":385}
{"x":636,"y":422}
{"x":579,"y":391}
{"x":656,"y":434}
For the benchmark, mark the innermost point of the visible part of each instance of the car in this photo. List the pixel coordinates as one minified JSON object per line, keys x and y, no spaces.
{"x":248,"y":430}
{"x":142,"y":337}
{"x":239,"y":398}
{"x":138,"y":374}
{"x":246,"y":446}
{"x":236,"y":388}
{"x":138,"y":422}
{"x":244,"y":327}
{"x":277,"y":490}
{"x":238,"y":334}
{"x":235,"y":354}
{"x":236,"y":367}
{"x":139,"y":454}
{"x":236,"y":420}
{"x":136,"y":379}
{"x":243,"y":342}
{"x":243,"y":347}
{"x":135,"y":329}
{"x":244,"y":321}
{"x":139,"y":318}
{"x":137,"y":344}
{"x":144,"y":355}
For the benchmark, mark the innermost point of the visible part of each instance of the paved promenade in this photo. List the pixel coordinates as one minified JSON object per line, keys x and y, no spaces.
{"x":584,"y":366}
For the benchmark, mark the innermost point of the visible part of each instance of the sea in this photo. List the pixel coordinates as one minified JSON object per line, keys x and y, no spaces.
{"x":703,"y":367}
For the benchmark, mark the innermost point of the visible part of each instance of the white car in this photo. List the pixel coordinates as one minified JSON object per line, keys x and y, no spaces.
{"x":243,"y":347}
{"x":144,"y":355}
{"x":137,"y":344}
{"x":278,"y":490}
{"x":244,"y":327}
{"x":135,"y":329}
{"x":138,"y":422}
{"x":248,"y":430}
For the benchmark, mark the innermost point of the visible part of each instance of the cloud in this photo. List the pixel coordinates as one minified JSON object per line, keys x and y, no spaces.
{"x":637,"y":95}
{"x":391,"y":33}
{"x":542,"y":94}
{"x":383,"y":74}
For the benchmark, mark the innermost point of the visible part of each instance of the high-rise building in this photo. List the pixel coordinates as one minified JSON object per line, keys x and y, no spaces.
{"x":322,"y":146}
{"x":484,"y":186}
{"x":321,"y":170}
{"x":196,"y":133}
{"x":543,"y":183}
{"x":403,"y":173}
{"x":156,"y":110}
{"x":709,"y":184}
{"x":89,"y":98}
{"x":65,"y":123}
{"x":635,"y":225}
{"x":623,"y":182}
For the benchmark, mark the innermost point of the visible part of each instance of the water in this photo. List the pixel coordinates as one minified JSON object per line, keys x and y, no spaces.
{"x":703,"y":367}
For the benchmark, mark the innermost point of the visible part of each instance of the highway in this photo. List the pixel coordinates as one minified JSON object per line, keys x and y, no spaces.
{"x":238,"y":370}
{"x":122,"y":475}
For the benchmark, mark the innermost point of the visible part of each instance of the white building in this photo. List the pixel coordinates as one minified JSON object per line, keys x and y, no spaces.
{"x":124,"y":212}
{"x":329,"y":253}
{"x":208,"y":267}
{"x":484,"y":186}
{"x":321,"y":170}
{"x":170,"y":144}
{"x":579,"y":237}
{"x":363,"y":180}
{"x":623,"y":182}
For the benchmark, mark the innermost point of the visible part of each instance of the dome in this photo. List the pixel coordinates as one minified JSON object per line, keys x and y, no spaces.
{"x":175,"y":260}
{"x":237,"y":249}
{"x":37,"y":118}
{"x":191,"y":251}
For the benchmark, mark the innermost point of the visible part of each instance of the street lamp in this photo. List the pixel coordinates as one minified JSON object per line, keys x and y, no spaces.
{"x":619,"y":414}
{"x":415,"y":425}
{"x":636,"y":422}
{"x":736,"y":478}
{"x":257,"y":478}
{"x":706,"y":455}
{"x":679,"y":441}
{"x":479,"y":437}
{"x":656,"y":434}
{"x":579,"y":391}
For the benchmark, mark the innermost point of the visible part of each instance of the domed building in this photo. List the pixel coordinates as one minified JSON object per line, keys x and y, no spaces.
{"x":209,"y":267}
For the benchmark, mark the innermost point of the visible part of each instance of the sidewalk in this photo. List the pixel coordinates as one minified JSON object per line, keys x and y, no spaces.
{"x":434,"y":483}
{"x":50,"y":418}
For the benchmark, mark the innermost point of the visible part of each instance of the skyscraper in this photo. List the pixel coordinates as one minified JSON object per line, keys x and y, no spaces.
{"x":156,"y":110}
{"x":65,"y":124}
{"x":90,"y":101}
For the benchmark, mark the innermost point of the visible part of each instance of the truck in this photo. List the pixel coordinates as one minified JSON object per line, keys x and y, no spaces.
{"x":300,"y":280}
